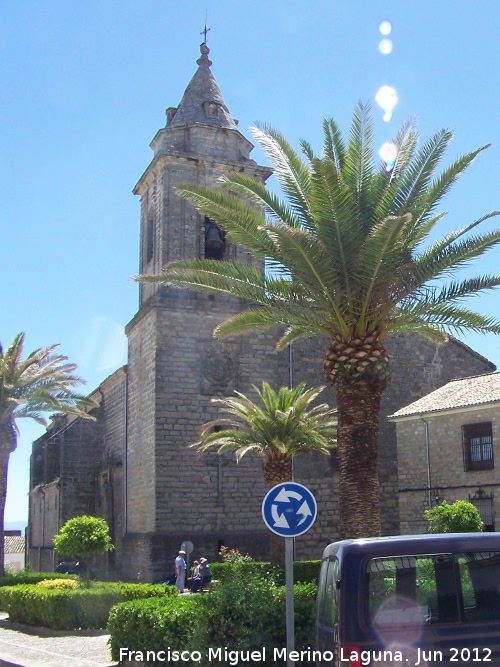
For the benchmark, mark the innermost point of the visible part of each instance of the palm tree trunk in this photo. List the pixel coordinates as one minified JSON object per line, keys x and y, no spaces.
{"x":358,"y":405}
{"x":7,"y":445}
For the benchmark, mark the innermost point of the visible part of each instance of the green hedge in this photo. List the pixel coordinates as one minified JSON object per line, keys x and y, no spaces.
{"x":235,"y":614}
{"x":154,"y":625}
{"x":304,"y":571}
{"x":32,"y":577}
{"x":66,"y":609}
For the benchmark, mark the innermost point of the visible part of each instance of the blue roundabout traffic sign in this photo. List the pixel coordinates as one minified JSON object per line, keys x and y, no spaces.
{"x":289,"y":509}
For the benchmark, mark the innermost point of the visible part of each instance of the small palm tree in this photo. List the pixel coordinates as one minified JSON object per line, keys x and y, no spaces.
{"x":350,"y":258}
{"x":42,"y":382}
{"x":284,"y":426}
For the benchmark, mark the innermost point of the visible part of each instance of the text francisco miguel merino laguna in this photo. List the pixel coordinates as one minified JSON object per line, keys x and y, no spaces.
{"x":224,"y":655}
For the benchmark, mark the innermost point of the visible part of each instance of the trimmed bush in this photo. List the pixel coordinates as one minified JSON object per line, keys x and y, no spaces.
{"x":32,"y":578}
{"x":58,"y":583}
{"x":154,"y":625}
{"x":248,"y":615}
{"x":66,"y":609}
{"x":240,"y":614}
{"x":304,"y":571}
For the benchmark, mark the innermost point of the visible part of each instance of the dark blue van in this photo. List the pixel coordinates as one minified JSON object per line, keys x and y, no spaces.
{"x":412,"y":600}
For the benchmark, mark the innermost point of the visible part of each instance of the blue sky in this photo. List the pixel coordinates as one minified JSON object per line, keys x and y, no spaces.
{"x":83,"y":90}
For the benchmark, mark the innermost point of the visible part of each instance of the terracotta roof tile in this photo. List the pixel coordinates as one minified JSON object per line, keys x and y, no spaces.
{"x":466,"y":392}
{"x":14,"y":544}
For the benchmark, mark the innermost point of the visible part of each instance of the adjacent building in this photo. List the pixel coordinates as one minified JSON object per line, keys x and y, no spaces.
{"x":447,"y":445}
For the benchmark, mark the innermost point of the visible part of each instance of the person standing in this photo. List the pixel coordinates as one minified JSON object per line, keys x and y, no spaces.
{"x":180,"y":571}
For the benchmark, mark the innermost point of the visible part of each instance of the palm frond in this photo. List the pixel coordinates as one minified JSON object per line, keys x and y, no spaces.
{"x":258,"y":194}
{"x":291,"y":172}
{"x":233,"y":278}
{"x":379,"y":261}
{"x":443,"y":183}
{"x":456,"y":291}
{"x":337,"y":229}
{"x":452,"y":318}
{"x":41,"y":382}
{"x":240,"y":221}
{"x":442,"y":244}
{"x":311,"y":262}
{"x":442,"y":259}
{"x":333,"y":144}
{"x":260,"y":319}
{"x":359,"y":161}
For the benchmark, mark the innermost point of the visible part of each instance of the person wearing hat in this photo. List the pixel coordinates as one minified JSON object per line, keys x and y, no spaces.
{"x":180,"y":571}
{"x":204,"y":576}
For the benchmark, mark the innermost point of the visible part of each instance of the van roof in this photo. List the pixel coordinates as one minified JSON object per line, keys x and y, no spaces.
{"x":415,"y":544}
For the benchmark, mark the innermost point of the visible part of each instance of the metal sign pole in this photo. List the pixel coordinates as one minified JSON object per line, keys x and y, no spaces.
{"x":289,"y":509}
{"x":290,"y":623}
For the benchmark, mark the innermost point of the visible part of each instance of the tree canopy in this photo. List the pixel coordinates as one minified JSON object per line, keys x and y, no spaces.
{"x":83,"y":536}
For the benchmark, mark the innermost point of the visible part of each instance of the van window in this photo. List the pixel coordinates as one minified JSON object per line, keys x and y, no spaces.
{"x":412,"y":590}
{"x":480,"y":584}
{"x":327,"y":600}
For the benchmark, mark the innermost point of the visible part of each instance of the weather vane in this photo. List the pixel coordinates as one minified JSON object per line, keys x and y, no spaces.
{"x":205,"y":30}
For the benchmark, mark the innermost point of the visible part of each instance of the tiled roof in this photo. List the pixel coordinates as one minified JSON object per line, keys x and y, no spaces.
{"x":14,"y":544}
{"x":467,"y":392}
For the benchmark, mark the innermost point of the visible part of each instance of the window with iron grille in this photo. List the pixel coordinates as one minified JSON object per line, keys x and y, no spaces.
{"x":477,"y":442}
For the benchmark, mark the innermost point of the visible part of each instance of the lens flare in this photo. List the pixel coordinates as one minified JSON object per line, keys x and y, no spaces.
{"x":387,"y":98}
{"x":388,"y":153}
{"x":385,"y":28}
{"x":385,"y":47}
{"x":400,"y":621}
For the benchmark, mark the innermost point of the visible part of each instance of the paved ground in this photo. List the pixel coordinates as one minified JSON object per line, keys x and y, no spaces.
{"x":25,"y":646}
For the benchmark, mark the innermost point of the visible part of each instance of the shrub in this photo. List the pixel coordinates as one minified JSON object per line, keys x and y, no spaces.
{"x":154,"y":625}
{"x":234,"y":556}
{"x":66,"y":609}
{"x":32,"y":578}
{"x":248,"y":571}
{"x":58,"y":583}
{"x":240,"y":614}
{"x":460,"y":517}
{"x":304,"y":571}
{"x":247,"y":616}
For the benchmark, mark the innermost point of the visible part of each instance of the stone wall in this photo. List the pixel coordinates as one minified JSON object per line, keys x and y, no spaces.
{"x":141,"y":409}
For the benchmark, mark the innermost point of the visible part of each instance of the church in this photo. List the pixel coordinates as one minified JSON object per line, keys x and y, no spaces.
{"x":132,"y":465}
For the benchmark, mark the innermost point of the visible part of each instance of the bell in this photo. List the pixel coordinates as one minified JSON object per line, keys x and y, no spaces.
{"x":214,"y":238}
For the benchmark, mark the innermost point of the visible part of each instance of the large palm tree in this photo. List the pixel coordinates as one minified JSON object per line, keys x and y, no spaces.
{"x":41,"y":382}
{"x":282,"y":426}
{"x":349,"y":256}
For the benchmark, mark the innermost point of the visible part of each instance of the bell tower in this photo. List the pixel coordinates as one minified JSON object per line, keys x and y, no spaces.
{"x":199,"y":143}
{"x":175,"y":366}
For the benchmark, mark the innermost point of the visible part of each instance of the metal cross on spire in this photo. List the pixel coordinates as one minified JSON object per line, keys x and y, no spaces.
{"x":205,"y":31}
